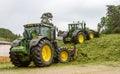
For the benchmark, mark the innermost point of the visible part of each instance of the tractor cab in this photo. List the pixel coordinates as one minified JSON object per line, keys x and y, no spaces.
{"x":31,"y":30}
{"x":73,"y":27}
{"x":35,"y":30}
{"x":76,"y":26}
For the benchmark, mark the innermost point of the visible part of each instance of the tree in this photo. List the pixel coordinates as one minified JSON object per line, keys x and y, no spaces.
{"x":111,"y":22}
{"x":7,"y":34}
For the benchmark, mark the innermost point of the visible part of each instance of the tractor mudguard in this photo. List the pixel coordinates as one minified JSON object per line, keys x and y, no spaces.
{"x":35,"y":41}
{"x":78,"y":31}
{"x":91,"y":31}
{"x":75,"y":33}
{"x":16,"y":42}
{"x":96,"y":34}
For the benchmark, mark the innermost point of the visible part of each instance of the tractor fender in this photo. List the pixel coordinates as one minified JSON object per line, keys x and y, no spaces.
{"x":91,"y":31}
{"x":96,"y":34}
{"x":35,"y":41}
{"x":78,"y":31}
{"x":16,"y":42}
{"x":75,"y":33}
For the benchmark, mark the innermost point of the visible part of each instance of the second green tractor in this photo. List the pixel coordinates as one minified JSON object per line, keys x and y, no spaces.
{"x":77,"y":33}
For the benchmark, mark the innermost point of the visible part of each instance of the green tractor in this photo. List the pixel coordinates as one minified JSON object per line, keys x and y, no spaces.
{"x":39,"y":45}
{"x":77,"y":33}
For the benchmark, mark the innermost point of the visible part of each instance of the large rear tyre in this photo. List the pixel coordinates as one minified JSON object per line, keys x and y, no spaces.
{"x":63,"y":55}
{"x":16,"y":61}
{"x":42,"y":54}
{"x":79,"y":38}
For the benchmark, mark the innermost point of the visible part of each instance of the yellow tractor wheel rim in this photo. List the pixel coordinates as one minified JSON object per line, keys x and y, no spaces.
{"x":46,"y":53}
{"x":64,"y":55}
{"x":91,"y":35}
{"x":81,"y":38}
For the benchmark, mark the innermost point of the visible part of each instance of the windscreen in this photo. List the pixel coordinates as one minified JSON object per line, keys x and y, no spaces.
{"x":28,"y":31}
{"x":79,"y":26}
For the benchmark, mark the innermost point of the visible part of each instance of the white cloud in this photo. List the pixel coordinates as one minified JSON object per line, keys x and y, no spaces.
{"x":15,"y":13}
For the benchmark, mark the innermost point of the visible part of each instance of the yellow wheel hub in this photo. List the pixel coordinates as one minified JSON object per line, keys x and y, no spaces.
{"x":46,"y":53}
{"x":91,"y":35}
{"x":81,"y":38}
{"x":64,"y":55}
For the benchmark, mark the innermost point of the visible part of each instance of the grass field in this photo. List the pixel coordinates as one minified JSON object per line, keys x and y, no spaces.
{"x":2,"y":39}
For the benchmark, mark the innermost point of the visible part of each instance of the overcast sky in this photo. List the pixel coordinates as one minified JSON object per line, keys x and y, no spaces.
{"x":16,"y":13}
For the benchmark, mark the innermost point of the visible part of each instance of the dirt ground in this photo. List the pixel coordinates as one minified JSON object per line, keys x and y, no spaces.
{"x":4,"y":59}
{"x":73,"y":69}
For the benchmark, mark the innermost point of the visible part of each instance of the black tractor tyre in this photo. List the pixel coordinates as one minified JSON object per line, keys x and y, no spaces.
{"x":42,"y":54}
{"x":56,"y":60}
{"x":16,"y":61}
{"x":79,"y":38}
{"x":97,"y":35}
{"x":91,"y":35}
{"x":63,"y":55}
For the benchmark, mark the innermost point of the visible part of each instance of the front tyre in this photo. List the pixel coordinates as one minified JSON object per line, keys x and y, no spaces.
{"x":16,"y":60}
{"x":91,"y":35}
{"x":42,"y":54}
{"x":63,"y":55}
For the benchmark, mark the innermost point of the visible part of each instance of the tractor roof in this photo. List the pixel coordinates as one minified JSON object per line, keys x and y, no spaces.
{"x":32,"y":25}
{"x":37,"y":25}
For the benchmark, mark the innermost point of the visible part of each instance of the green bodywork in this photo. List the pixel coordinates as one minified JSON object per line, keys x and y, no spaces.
{"x":33,"y":33}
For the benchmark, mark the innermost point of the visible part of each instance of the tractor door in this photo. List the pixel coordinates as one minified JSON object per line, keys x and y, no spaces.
{"x":80,"y":27}
{"x":46,"y":32}
{"x":72,"y":28}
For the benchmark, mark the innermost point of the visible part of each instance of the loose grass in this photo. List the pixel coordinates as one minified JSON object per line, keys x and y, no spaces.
{"x":103,"y":50}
